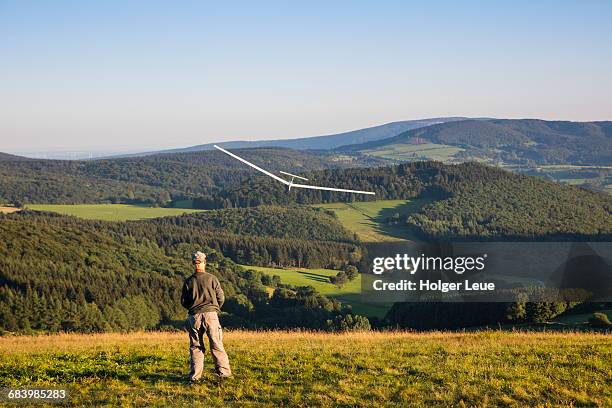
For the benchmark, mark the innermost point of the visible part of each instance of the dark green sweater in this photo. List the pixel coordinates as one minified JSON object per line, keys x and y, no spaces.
{"x":202,"y":292}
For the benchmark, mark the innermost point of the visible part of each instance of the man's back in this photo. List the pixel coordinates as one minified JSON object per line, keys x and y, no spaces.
{"x":203,"y":296}
{"x":201,"y":293}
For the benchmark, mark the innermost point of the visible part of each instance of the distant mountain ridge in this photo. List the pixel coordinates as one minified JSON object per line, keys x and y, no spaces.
{"x":513,"y":140}
{"x":326,"y":142}
{"x":10,"y":157}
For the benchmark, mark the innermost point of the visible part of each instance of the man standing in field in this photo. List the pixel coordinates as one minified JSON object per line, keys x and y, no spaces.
{"x":203,"y":296}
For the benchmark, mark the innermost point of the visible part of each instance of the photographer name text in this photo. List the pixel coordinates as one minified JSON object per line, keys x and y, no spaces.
{"x":428,"y":285}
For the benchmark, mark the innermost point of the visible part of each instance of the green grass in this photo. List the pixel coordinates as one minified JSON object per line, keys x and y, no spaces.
{"x":110,"y":212}
{"x":574,"y":181}
{"x":317,"y":278}
{"x":349,"y":293}
{"x":571,"y":167}
{"x":426,"y":151}
{"x":367,"y":219}
{"x":303,"y":369}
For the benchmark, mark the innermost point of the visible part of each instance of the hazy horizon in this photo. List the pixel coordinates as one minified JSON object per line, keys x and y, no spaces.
{"x":94,"y":151}
{"x":150,"y":75}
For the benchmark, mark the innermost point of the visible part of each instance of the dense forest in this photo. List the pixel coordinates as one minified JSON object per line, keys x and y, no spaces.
{"x":517,"y":141}
{"x":293,"y":222}
{"x":154,"y":179}
{"x":285,"y":247}
{"x":472,"y":201}
{"x":514,"y":207}
{"x":66,"y":274}
{"x":409,"y":180}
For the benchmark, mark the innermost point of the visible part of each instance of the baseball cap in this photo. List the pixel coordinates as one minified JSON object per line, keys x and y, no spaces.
{"x":198,"y":257}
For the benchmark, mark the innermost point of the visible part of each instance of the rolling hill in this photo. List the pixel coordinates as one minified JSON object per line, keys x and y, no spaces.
{"x":100,"y":276}
{"x":317,"y":142}
{"x":110,"y":269}
{"x":470,"y":200}
{"x":508,"y":206}
{"x":151,"y":179}
{"x":512,"y":141}
{"x":376,"y":221}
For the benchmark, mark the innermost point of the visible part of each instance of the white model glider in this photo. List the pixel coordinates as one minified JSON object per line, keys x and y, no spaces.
{"x":293,"y":176}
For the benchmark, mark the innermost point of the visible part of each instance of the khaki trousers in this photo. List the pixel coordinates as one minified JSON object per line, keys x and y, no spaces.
{"x":198,"y":327}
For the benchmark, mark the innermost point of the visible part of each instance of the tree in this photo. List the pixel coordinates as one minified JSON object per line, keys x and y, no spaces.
{"x":351,"y":272}
{"x":348,"y":322}
{"x":340,"y":279}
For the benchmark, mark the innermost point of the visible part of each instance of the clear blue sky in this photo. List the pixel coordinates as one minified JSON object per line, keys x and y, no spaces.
{"x":76,"y":74}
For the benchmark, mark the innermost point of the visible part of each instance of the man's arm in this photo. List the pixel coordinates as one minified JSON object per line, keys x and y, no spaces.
{"x":186,"y":300}
{"x":219,"y":293}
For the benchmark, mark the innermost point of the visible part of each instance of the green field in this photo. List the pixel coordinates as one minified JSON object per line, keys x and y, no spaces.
{"x":572,"y":167}
{"x":319,"y":279}
{"x":368,"y":219}
{"x":574,"y":181}
{"x":407,"y":152}
{"x":304,"y":369}
{"x":110,"y":212}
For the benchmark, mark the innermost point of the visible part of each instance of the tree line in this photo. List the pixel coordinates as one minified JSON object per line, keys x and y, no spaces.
{"x":297,"y":222}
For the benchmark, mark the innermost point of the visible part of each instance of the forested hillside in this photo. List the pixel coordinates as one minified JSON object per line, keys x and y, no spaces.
{"x":517,"y":207}
{"x":62,"y":273}
{"x":311,"y":224}
{"x":472,"y":200}
{"x":153,"y":179}
{"x":394,"y":182}
{"x":325,"y":243}
{"x":515,"y":141}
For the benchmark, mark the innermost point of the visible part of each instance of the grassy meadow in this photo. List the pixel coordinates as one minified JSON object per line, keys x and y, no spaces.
{"x":367,"y":218}
{"x":349,"y":293}
{"x":306,"y":369}
{"x":110,"y":212}
{"x":425,"y":151}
